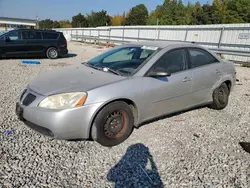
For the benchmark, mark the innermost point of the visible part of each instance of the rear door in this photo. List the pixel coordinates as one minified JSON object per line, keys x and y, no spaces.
{"x":206,"y":71}
{"x":50,"y":38}
{"x":34,"y":43}
{"x":14,"y":45}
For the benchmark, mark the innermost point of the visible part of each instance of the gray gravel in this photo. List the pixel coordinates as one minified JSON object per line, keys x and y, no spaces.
{"x":199,"y":148}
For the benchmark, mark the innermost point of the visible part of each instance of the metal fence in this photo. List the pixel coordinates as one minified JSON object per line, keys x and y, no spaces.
{"x":230,"y":40}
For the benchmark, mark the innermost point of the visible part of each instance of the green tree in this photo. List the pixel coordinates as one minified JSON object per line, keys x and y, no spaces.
{"x":65,"y":24}
{"x":168,"y":10}
{"x":239,"y":11}
{"x":138,"y":15}
{"x":46,"y":24}
{"x":207,"y":14}
{"x":153,"y":18}
{"x":157,"y":16}
{"x":180,"y":10}
{"x":172,"y":12}
{"x":197,"y":14}
{"x":117,"y":20}
{"x":220,"y":11}
{"x":101,"y":18}
{"x":56,"y":24}
{"x":79,"y":20}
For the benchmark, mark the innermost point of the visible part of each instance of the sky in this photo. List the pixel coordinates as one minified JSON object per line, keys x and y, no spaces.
{"x":65,"y":9}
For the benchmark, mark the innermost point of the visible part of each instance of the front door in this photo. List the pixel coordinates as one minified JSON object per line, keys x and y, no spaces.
{"x":168,"y":94}
{"x":13,"y":44}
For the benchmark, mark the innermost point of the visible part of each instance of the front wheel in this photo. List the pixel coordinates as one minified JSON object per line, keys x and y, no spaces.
{"x":52,"y":53}
{"x":220,"y":97}
{"x":113,"y":124}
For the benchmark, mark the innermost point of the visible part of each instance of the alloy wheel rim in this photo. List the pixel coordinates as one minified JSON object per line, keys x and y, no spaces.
{"x":53,"y":53}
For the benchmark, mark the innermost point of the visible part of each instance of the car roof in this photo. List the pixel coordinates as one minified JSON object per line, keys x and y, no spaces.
{"x":164,"y":44}
{"x":42,"y":30}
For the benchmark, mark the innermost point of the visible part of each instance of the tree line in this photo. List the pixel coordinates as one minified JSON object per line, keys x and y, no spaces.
{"x":171,"y":12}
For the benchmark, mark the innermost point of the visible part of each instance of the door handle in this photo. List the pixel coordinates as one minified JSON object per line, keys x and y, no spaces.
{"x":187,"y":79}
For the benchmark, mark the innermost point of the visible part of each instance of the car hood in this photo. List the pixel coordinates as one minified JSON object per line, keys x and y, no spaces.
{"x":71,"y":79}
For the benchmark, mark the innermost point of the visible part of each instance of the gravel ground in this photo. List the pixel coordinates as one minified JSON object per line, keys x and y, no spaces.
{"x":199,"y":148}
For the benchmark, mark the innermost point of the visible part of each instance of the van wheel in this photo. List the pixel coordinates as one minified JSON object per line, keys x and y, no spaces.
{"x":113,"y":124}
{"x":220,"y":97}
{"x":52,"y":53}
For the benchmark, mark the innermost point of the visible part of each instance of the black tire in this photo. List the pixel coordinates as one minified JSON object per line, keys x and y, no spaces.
{"x":52,"y":53}
{"x":220,"y":97}
{"x":108,"y":134}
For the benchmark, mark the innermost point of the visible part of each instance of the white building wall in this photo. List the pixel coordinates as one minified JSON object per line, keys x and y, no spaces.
{"x":223,"y":36}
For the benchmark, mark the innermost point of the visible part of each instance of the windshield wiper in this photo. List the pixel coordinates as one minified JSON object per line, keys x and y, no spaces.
{"x":106,"y":69}
{"x":102,"y":68}
{"x":92,"y":66}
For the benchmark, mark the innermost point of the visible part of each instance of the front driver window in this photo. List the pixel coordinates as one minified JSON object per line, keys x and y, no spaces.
{"x":14,"y":35}
{"x":2,"y":35}
{"x":172,"y":62}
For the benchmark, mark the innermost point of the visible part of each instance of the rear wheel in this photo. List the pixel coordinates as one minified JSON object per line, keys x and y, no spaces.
{"x":113,"y":124}
{"x":220,"y":97}
{"x":52,"y":53}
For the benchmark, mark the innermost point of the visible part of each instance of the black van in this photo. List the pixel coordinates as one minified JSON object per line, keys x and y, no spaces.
{"x":33,"y":42}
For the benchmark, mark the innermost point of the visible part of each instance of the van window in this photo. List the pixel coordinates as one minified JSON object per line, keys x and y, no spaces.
{"x":2,"y":35}
{"x":31,"y":35}
{"x":14,"y":35}
{"x":50,"y":35}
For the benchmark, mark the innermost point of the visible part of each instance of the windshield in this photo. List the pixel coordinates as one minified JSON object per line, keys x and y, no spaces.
{"x":123,"y":60}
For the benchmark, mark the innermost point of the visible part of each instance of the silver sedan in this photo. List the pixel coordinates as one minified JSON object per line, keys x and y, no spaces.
{"x":105,"y":98}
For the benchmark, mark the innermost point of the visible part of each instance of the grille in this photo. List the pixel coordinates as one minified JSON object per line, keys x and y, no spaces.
{"x":29,"y":99}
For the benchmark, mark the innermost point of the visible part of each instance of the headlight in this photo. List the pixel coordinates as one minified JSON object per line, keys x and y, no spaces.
{"x":64,"y":100}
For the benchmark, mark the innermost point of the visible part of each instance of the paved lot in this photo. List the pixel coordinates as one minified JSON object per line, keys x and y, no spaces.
{"x":199,"y":148}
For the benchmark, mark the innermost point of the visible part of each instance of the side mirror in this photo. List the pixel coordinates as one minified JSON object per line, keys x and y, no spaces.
{"x":7,"y":39}
{"x":159,"y":74}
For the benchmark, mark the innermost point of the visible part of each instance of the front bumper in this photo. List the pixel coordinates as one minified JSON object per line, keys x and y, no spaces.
{"x":65,"y":124}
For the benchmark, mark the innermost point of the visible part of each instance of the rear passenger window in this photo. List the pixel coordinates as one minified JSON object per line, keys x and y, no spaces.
{"x":50,"y":35}
{"x":31,"y":35}
{"x":199,"y":57}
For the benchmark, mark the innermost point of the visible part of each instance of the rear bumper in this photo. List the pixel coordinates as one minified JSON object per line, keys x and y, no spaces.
{"x":63,"y":51}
